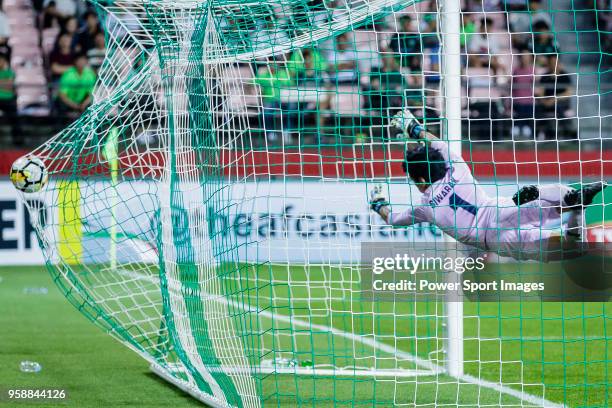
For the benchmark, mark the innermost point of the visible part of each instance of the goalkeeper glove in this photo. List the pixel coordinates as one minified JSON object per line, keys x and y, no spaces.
{"x":378,"y":199}
{"x":406,"y":122}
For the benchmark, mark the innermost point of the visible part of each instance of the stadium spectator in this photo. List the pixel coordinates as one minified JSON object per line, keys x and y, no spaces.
{"x":67,"y":8}
{"x":49,"y":17}
{"x":37,"y":5}
{"x":522,"y":24}
{"x":386,"y":87}
{"x":8,"y":98}
{"x":555,"y":86}
{"x":431,"y":42}
{"x":271,"y":78}
{"x":307,"y":65}
{"x":480,"y":6}
{"x":604,"y":24}
{"x":56,"y":12}
{"x":414,"y":94}
{"x":5,"y":29}
{"x":76,"y":87}
{"x":61,"y":58}
{"x":522,"y":96}
{"x":468,"y":27}
{"x":525,"y":21}
{"x":308,"y":68}
{"x":7,"y":80}
{"x":95,"y":55}
{"x":407,"y":43}
{"x":70,"y":26}
{"x":554,"y":92}
{"x":515,"y":5}
{"x":345,"y":60}
{"x":5,"y":34}
{"x":543,"y":41}
{"x":483,"y":48}
{"x":86,"y":36}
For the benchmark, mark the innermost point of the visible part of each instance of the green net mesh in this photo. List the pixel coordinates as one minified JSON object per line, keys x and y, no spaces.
{"x":208,"y":209}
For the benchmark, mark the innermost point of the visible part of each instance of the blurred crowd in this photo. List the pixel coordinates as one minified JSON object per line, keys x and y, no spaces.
{"x":70,"y":48}
{"x":513,"y":68}
{"x":74,"y":47}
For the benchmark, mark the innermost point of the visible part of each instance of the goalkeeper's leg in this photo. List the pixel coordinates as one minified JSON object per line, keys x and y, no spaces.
{"x":520,"y":232}
{"x":564,"y":198}
{"x":559,"y":194}
{"x":533,"y":242}
{"x":535,"y":212}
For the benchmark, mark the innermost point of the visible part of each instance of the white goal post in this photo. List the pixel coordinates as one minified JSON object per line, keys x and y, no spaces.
{"x":450,"y":30}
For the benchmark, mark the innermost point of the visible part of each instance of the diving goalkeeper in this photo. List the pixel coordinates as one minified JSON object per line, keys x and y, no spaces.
{"x":456,"y":203}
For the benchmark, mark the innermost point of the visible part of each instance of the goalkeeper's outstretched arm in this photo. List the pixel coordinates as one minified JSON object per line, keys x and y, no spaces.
{"x":408,"y":124}
{"x":379,"y":203}
{"x":411,"y":128}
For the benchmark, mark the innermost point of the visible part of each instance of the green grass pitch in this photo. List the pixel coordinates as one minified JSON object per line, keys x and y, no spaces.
{"x":564,"y":346}
{"x":75,"y":355}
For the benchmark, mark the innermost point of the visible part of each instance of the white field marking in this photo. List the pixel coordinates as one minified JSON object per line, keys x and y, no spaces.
{"x":428,"y":365}
{"x":269,"y":368}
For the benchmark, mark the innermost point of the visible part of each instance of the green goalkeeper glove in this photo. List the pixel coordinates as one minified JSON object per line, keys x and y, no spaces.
{"x":405,"y":121}
{"x":378,"y":198}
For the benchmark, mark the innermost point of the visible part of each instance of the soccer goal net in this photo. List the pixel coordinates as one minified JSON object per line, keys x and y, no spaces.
{"x":209,"y":208}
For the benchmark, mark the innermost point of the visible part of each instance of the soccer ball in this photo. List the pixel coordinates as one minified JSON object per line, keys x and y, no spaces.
{"x":29,"y":174}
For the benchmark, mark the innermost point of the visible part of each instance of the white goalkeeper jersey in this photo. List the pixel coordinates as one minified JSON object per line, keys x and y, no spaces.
{"x":456,"y":203}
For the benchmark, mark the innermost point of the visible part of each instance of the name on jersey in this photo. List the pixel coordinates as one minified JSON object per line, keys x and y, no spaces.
{"x":446,"y":190}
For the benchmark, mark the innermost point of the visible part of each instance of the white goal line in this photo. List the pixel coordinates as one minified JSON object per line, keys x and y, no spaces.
{"x":267,"y":367}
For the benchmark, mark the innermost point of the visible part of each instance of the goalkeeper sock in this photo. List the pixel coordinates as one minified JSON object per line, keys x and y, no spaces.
{"x":554,"y":193}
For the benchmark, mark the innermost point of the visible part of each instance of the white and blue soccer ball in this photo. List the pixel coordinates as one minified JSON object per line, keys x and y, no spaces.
{"x":29,"y":174}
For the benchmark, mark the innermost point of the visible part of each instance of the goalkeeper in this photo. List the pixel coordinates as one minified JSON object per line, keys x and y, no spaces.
{"x":455,"y":202}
